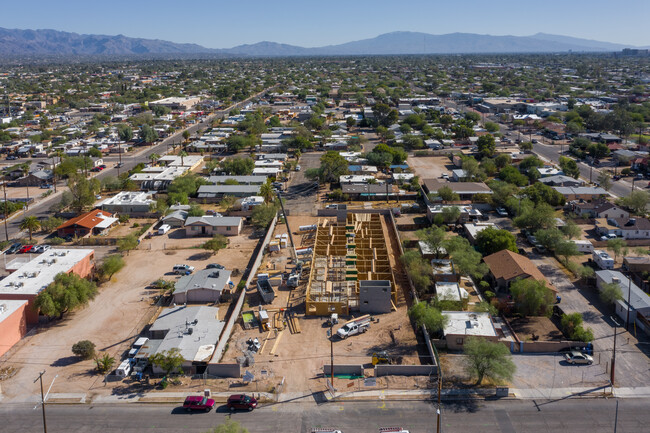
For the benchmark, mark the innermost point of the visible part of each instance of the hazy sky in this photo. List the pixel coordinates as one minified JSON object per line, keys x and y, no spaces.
{"x":308,"y":23}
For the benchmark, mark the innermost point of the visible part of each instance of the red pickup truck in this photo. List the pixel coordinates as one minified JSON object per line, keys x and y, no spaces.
{"x":196,"y":402}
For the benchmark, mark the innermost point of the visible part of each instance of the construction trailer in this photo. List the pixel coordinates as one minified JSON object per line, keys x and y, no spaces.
{"x":345,"y":253}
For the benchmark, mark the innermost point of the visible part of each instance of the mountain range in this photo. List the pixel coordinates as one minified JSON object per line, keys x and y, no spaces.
{"x":18,"y":43}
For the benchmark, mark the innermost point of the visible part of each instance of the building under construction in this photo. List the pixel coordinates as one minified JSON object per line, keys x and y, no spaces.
{"x":346,"y":253}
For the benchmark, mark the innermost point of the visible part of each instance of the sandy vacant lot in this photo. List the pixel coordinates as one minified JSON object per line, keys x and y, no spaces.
{"x":112,"y":320}
{"x":430,"y":167}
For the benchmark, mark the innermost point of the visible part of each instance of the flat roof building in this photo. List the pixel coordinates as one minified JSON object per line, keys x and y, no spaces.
{"x":462,"y":324}
{"x":128,"y":202}
{"x":29,"y":279}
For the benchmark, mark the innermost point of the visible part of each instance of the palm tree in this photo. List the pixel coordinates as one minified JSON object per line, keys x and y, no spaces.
{"x":182,"y":154}
{"x":266,"y":191}
{"x":154,"y":157}
{"x":31,"y":224}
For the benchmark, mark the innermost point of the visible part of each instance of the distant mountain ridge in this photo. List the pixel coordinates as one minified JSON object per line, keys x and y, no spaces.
{"x":15,"y":42}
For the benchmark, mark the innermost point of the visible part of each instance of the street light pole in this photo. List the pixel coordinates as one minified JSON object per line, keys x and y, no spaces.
{"x":40,"y":378}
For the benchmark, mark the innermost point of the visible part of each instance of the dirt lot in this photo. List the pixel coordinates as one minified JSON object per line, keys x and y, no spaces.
{"x":128,"y":228}
{"x":113,"y":319}
{"x":542,"y":327}
{"x":430,"y":167}
{"x":306,"y":352}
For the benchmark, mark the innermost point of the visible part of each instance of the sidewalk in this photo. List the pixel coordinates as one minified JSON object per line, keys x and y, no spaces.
{"x":158,"y":397}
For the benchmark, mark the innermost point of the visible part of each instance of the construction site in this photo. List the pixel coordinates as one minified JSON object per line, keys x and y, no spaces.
{"x":346,"y":256}
{"x":285,"y":329}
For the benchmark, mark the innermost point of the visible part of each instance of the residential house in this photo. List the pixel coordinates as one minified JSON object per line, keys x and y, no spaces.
{"x":90,"y":223}
{"x":507,"y":267}
{"x":637,"y":264}
{"x":375,"y":191}
{"x":462,"y":325}
{"x":561,"y":180}
{"x":598,"y":209}
{"x":36,"y":178}
{"x":175,"y":219}
{"x":466,"y":190}
{"x":467,"y":213}
{"x":547,"y":171}
{"x":581,"y":192}
{"x":193,"y":330}
{"x":473,"y":229}
{"x":241,"y":180}
{"x":634,"y":301}
{"x":203,"y":286}
{"x":131,"y":203}
{"x":213,"y":225}
{"x":249,"y":203}
{"x":215,"y":193}
{"x":627,"y":228}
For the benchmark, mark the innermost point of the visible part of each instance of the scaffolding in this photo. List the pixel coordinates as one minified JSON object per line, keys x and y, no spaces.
{"x":344,"y":254}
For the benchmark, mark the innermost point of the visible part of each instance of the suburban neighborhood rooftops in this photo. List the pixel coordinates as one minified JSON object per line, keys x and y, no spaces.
{"x":433,"y":185}
{"x":128,"y":198}
{"x":37,"y":274}
{"x":252,"y":180}
{"x":229,"y":189}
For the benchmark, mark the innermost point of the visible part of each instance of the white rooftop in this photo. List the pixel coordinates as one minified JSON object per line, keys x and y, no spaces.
{"x":450,"y":291}
{"x":467,"y":323}
{"x":9,"y":307}
{"x":128,"y":198}
{"x":37,"y":274}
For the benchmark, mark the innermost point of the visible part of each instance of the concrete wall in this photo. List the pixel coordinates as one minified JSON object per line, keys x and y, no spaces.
{"x":224,"y":370}
{"x":13,"y":328}
{"x":542,"y":346}
{"x":405,"y":370}
{"x":234,"y":315}
{"x":351,"y":369}
{"x":85,"y":266}
{"x":374,"y":297}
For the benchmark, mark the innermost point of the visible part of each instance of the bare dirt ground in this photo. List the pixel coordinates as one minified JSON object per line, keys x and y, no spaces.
{"x":128,"y":228}
{"x":299,"y":357}
{"x":542,"y":327}
{"x":113,"y":320}
{"x":430,"y":167}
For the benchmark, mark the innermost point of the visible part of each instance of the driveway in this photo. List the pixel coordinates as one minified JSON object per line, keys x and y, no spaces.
{"x":632,"y":364}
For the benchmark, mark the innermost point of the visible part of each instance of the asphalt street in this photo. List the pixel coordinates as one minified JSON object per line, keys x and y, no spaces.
{"x":507,"y":416}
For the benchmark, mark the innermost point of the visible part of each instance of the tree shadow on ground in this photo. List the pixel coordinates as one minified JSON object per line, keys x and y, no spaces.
{"x":65,"y":361}
{"x":468,"y":405}
{"x":200,"y":256}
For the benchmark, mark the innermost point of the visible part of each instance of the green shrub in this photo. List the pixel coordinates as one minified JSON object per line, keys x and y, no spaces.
{"x":84,"y":349}
{"x":54,"y":241}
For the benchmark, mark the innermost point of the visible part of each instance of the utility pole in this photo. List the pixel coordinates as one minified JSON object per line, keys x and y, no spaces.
{"x":294,"y":256}
{"x":629,"y":291}
{"x":613,"y":367}
{"x":4,"y":187}
{"x":40,"y":378}
{"x":332,"y":351}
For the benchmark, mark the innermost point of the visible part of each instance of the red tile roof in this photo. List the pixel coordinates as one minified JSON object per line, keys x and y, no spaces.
{"x":88,"y":220}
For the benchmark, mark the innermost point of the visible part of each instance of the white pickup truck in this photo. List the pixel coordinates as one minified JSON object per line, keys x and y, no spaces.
{"x":354,"y":326}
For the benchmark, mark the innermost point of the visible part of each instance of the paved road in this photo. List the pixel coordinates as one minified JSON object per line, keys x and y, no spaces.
{"x":568,"y":415}
{"x":632,"y":365}
{"x":41,"y":208}
{"x":552,"y":152}
{"x":301,"y":194}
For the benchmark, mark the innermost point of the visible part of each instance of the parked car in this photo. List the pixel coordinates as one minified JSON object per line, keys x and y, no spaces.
{"x":297,"y":167}
{"x":95,"y":169}
{"x":14,"y":248}
{"x":215,"y":266}
{"x":12,"y":157}
{"x":502,"y":212}
{"x":241,"y":401}
{"x":119,"y":165}
{"x":197,"y":402}
{"x":575,"y":357}
{"x":26,"y":249}
{"x":183,"y":269}
{"x":41,"y":248}
{"x":46,"y":186}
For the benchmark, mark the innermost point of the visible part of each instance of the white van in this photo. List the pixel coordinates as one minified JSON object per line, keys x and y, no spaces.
{"x":124,"y":369}
{"x":164,"y":229}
